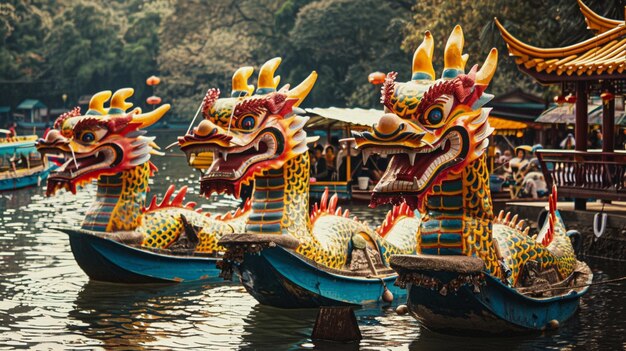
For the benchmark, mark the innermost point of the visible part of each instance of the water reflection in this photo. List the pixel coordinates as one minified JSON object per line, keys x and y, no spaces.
{"x":284,"y":329}
{"x":125,"y":317}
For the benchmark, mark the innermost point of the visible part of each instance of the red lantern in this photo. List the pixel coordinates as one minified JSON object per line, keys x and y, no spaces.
{"x":606,"y":97}
{"x":570,"y":99}
{"x":376,"y":78}
{"x":153,"y":80}
{"x":559,"y":99}
{"x":153,"y":100}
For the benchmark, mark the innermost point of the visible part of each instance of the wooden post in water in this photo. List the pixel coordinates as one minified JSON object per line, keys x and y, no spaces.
{"x":336,"y":324}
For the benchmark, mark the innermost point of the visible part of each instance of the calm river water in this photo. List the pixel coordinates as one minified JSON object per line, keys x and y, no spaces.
{"x":47,"y":302}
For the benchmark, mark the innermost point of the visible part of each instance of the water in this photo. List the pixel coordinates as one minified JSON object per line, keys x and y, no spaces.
{"x":47,"y":302}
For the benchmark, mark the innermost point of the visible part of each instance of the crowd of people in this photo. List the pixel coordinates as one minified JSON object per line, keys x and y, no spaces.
{"x":329,"y":162}
{"x":520,"y":172}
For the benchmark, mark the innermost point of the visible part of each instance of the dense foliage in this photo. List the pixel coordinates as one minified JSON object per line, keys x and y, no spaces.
{"x":53,"y":47}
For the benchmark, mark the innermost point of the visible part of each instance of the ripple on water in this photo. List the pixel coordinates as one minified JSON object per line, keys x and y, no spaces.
{"x":46,"y":302}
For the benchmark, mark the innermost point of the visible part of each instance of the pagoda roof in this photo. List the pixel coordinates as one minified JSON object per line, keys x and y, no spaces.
{"x":596,"y":22}
{"x":600,"y":57}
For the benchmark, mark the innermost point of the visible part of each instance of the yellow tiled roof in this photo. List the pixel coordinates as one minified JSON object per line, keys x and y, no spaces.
{"x":499,"y":123}
{"x":596,"y":22}
{"x":604,"y":54}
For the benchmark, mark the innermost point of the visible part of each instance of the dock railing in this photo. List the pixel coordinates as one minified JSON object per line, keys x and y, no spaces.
{"x":585,"y":174}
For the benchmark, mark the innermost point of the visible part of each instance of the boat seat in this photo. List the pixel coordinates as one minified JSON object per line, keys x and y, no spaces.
{"x":451,"y":263}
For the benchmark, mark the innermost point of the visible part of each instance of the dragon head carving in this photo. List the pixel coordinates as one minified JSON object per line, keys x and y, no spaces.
{"x":248,"y":133}
{"x":432,"y":128}
{"x":103,"y":141}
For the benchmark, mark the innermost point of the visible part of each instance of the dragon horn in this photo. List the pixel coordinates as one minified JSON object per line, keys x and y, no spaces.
{"x":118,"y":101}
{"x":149,"y":118}
{"x":486,"y":72}
{"x":303,"y":89}
{"x":96,"y":104}
{"x":240,"y":82}
{"x":454,"y":60}
{"x":267,"y":82}
{"x":423,"y":59}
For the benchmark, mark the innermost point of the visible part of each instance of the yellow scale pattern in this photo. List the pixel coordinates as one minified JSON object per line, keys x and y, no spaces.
{"x":479,"y":215}
{"x":125,"y":215}
{"x":162,"y":227}
{"x":404,"y":235}
{"x":325,"y":242}
{"x":514,"y":246}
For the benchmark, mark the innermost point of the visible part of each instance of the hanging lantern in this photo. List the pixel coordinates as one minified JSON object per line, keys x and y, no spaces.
{"x":153,"y":100}
{"x":570,"y":99}
{"x":376,"y":78}
{"x":606,"y":97}
{"x":519,"y":134}
{"x":153,"y":80}
{"x":559,"y":100}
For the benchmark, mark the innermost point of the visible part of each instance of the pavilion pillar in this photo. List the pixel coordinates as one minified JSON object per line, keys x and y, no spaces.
{"x":581,"y":130}
{"x":608,"y":122}
{"x":582,"y":123}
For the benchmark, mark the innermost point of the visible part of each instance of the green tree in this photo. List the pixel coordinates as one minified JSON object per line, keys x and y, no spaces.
{"x":22,"y":29}
{"x":82,"y":50}
{"x":203,"y":51}
{"x":345,"y":40}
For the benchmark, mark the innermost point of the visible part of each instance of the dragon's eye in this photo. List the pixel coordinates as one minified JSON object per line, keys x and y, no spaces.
{"x":248,"y":122}
{"x":435,"y":115}
{"x":87,"y":137}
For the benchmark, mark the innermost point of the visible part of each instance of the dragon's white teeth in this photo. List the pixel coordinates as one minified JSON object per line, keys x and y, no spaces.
{"x":256,"y":145}
{"x":97,"y":153}
{"x":415,"y":182}
{"x":411,"y":155}
{"x":192,"y":157}
{"x":224,"y":155}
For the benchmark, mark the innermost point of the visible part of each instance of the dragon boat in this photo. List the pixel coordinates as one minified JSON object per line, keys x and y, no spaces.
{"x":285,"y":256}
{"x":122,"y":238}
{"x":20,"y":164}
{"x":474,"y":272}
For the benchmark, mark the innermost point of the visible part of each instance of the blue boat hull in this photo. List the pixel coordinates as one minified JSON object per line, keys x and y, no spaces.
{"x":23,"y":182}
{"x":488,"y":308}
{"x":106,"y":260}
{"x":279,"y":277}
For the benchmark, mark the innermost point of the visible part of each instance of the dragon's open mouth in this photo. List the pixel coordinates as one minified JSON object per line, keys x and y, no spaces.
{"x":76,"y":167}
{"x":411,"y":172}
{"x":235,"y":166}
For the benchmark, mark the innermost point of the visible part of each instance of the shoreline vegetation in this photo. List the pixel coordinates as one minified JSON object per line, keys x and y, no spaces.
{"x":55,"y":47}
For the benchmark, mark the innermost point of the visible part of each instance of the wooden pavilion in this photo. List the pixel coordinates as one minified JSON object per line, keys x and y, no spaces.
{"x":594,"y":66}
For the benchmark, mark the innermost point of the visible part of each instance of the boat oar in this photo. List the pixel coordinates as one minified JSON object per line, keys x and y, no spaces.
{"x":370,"y":262}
